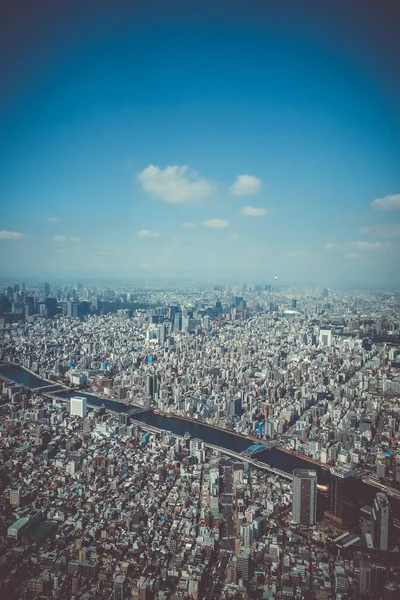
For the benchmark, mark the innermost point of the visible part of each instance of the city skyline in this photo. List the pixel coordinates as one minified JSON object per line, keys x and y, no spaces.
{"x":186,"y":142}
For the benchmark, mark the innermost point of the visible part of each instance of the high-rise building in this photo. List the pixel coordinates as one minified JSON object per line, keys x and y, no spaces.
{"x":325,"y":292}
{"x":46,"y":289}
{"x":178,"y":320}
{"x":51,"y":306}
{"x":325,"y":337}
{"x":247,"y":533}
{"x":206,"y":322}
{"x":78,"y":406}
{"x":304,"y":497}
{"x":294,"y":303}
{"x":195,"y":445}
{"x":185,"y":322}
{"x":162,"y":334}
{"x":119,"y":587}
{"x":243,"y":563}
{"x":235,"y":407}
{"x":151,"y":386}
{"x":381,"y":522}
{"x":365,"y":579}
{"x":15,"y":497}
{"x":72,"y":309}
{"x":340,"y":484}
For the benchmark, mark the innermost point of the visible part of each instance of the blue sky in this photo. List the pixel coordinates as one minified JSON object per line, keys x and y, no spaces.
{"x":241,"y":141}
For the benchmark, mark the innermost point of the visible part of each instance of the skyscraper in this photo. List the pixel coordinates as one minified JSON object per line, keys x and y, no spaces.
{"x":177,"y":321}
{"x":365,"y":578}
{"x":381,"y":522}
{"x":325,"y":337}
{"x":72,"y":309}
{"x":51,"y":306}
{"x":119,"y":587}
{"x":304,"y":497}
{"x":151,"y":386}
{"x":339,"y":487}
{"x":206,"y":322}
{"x":235,"y":406}
{"x":162,"y":334}
{"x":78,"y":406}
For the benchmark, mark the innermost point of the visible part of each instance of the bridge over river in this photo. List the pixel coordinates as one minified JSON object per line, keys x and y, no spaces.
{"x":261,"y":453}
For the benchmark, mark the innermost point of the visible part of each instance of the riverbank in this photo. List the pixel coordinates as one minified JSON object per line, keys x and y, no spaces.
{"x":307,"y":458}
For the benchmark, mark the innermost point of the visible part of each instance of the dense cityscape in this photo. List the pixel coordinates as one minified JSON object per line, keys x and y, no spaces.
{"x":199,"y":441}
{"x":199,"y":300}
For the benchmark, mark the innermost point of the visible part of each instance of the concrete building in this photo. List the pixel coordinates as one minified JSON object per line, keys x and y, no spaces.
{"x":325,"y":337}
{"x":339,"y":487}
{"x":119,"y":587}
{"x":78,"y":406}
{"x":381,"y":522}
{"x":304,"y":497}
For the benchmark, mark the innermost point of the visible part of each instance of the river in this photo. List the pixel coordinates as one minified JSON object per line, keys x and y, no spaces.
{"x":22,"y":376}
{"x":225,"y":439}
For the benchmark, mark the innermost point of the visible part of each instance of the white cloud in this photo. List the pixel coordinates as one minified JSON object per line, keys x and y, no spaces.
{"x":352,"y":255}
{"x":233,"y":237}
{"x":66,"y":238}
{"x":357,"y":245}
{"x":251,"y":211}
{"x":382,"y":230}
{"x":391,"y":202}
{"x":188,"y":224}
{"x":147,"y":233}
{"x":53,"y":220}
{"x":216,"y":224}
{"x":174,"y":184}
{"x":10,"y":235}
{"x":330,"y":246}
{"x":366,"y":245}
{"x":245,"y":185}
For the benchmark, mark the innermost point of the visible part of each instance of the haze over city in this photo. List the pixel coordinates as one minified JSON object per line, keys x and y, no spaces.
{"x":183,"y":139}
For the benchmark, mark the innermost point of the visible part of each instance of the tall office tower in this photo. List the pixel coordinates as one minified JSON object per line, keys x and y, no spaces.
{"x":304,"y":491}
{"x":325,"y":292}
{"x":365,"y":583}
{"x":178,"y":320}
{"x":151,"y":386}
{"x":243,"y":563}
{"x":15,"y":497}
{"x":381,"y":522}
{"x":341,"y":481}
{"x":78,"y":406}
{"x":185,"y":322}
{"x":72,"y":309}
{"x":119,"y":587}
{"x":235,"y":407}
{"x":325,"y":337}
{"x":51,"y":306}
{"x":294,"y":303}
{"x":237,"y":301}
{"x":162,"y":334}
{"x":247,"y":534}
{"x":271,"y":307}
{"x":206,"y":322}
{"x":46,"y":289}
